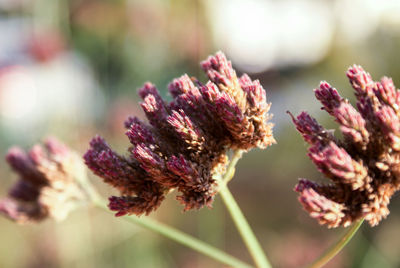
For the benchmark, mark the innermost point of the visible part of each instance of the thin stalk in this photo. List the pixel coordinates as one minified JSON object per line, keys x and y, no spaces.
{"x":180,"y":237}
{"x":336,"y":248}
{"x":230,"y":171}
{"x":239,"y":219}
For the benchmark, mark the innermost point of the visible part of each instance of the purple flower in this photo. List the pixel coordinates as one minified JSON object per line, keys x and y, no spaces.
{"x":186,"y":140}
{"x":47,"y":186}
{"x":364,"y":166}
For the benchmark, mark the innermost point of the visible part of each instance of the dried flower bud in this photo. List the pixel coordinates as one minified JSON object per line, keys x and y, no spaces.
{"x":130,"y":120}
{"x":255,"y":93}
{"x":309,"y":128}
{"x":219,"y":70}
{"x":113,"y":168}
{"x":153,"y":105}
{"x":352,"y":124}
{"x":188,"y":139}
{"x":321,"y":208}
{"x":153,"y":164}
{"x":181,"y":85}
{"x":186,"y":130}
{"x":387,"y":93}
{"x":360,"y":80}
{"x":143,"y":204}
{"x":328,"y":96}
{"x":338,"y":165}
{"x":365,"y":91}
{"x":21,"y":163}
{"x":138,"y":132}
{"x":47,"y":186}
{"x":390,"y":126}
{"x":364,"y":168}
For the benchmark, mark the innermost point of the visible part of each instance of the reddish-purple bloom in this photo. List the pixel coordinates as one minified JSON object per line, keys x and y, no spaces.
{"x":186,"y":140}
{"x":47,"y":185}
{"x":365,"y":166}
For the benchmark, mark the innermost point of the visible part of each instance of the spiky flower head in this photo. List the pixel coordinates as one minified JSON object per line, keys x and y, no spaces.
{"x":364,"y":166}
{"x":47,"y":185}
{"x":186,"y":140}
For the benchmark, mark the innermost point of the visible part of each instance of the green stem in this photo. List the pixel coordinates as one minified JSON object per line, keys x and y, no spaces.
{"x":230,"y":171}
{"x":335,"y":249}
{"x":240,"y":221}
{"x":180,"y":237}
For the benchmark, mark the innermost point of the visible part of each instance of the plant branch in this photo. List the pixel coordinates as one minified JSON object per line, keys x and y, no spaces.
{"x":239,"y":219}
{"x":336,"y":248}
{"x":173,"y":234}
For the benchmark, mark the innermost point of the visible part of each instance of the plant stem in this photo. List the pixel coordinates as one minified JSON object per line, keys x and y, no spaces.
{"x":240,"y":221}
{"x":180,"y":237}
{"x":230,"y":171}
{"x":335,"y":249}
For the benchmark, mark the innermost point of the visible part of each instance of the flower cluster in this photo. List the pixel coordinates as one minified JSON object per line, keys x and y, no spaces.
{"x":47,"y":185}
{"x":187,"y":139}
{"x":364,"y":166}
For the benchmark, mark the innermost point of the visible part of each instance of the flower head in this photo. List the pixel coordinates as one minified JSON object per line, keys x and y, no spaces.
{"x":47,"y":184}
{"x":364,"y":167}
{"x":186,"y":140}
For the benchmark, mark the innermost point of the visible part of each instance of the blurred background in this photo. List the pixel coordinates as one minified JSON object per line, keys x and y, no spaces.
{"x":72,"y":68}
